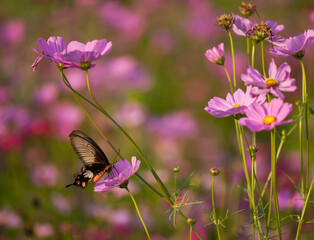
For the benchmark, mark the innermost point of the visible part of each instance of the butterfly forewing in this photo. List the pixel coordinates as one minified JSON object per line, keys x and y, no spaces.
{"x":87,"y":149}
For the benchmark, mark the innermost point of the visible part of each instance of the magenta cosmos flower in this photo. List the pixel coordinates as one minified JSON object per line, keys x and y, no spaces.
{"x":52,"y":49}
{"x":278,"y":80}
{"x":216,"y":54}
{"x":81,"y":55}
{"x":234,"y":104}
{"x":294,"y":46}
{"x":266,"y":116}
{"x":247,"y":28}
{"x":121,"y":172}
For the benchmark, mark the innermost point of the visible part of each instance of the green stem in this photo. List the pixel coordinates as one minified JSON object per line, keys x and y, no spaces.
{"x":230,"y":83}
{"x":233,"y":61}
{"x":192,"y":226}
{"x":131,"y":140}
{"x":303,"y":209}
{"x":253,"y":53}
{"x":301,"y":152}
{"x":305,"y":109}
{"x":138,"y":212}
{"x":75,"y":93}
{"x":263,"y":61}
{"x":273,"y":180}
{"x":191,"y":232}
{"x":214,"y":211}
{"x":248,"y":49}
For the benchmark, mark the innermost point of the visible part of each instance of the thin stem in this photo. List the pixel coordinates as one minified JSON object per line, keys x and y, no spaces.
{"x":253,"y":53}
{"x":192,"y":226}
{"x":303,"y":209}
{"x":263,"y":61}
{"x":191,"y":232}
{"x":214,"y":211}
{"x":305,"y":109}
{"x":230,"y":83}
{"x":273,"y":180}
{"x":132,"y":142}
{"x":233,"y":61}
{"x":248,"y":49}
{"x":138,"y":213}
{"x":301,"y":152}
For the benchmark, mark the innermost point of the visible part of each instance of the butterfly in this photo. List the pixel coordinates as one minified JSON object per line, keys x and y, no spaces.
{"x":95,"y":162}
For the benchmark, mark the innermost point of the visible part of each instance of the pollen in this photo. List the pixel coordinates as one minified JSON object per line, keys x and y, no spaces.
{"x":271,"y":82}
{"x":269,"y":120}
{"x":237,"y":105}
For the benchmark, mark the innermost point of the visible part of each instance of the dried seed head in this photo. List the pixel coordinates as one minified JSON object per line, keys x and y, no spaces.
{"x":247,"y":9}
{"x":225,"y":21}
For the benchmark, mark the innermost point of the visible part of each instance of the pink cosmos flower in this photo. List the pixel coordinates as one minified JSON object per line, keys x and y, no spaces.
{"x":294,"y":46}
{"x":52,"y":49}
{"x":121,"y":172}
{"x":81,"y":55}
{"x":278,"y":80}
{"x":245,"y":27}
{"x":266,"y":116}
{"x":216,"y":55}
{"x":234,"y":104}
{"x":45,"y":175}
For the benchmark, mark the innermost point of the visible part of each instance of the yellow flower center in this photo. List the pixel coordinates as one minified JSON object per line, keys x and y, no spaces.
{"x":269,"y":120}
{"x":271,"y":82}
{"x":237,"y":105}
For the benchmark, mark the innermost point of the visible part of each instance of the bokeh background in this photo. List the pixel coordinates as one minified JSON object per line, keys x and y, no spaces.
{"x":155,"y":82}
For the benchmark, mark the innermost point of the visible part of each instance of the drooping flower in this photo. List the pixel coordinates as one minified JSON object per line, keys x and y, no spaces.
{"x":121,"y":172}
{"x":258,"y":31}
{"x":234,"y":104}
{"x":294,"y":46}
{"x":277,"y":81}
{"x":266,"y":116}
{"x":52,"y":49}
{"x":82,"y":55}
{"x":216,"y":54}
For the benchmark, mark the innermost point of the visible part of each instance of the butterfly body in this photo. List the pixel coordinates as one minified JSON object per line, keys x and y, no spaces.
{"x":95,"y":162}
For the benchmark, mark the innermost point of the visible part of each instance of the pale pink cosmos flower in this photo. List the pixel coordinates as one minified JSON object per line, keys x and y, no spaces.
{"x":9,"y":218}
{"x":216,"y":54}
{"x":121,"y":172}
{"x":234,"y":104}
{"x":278,"y":80}
{"x":45,"y":175}
{"x":82,"y":55}
{"x":294,"y":46}
{"x":266,"y":116}
{"x":43,"y":230}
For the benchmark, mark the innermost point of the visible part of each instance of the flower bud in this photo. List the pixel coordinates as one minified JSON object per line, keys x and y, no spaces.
{"x":176,"y":170}
{"x":191,"y":221}
{"x":247,"y":9}
{"x":214,"y":171}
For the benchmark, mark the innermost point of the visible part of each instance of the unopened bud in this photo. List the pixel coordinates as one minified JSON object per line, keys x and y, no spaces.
{"x":214,"y":171}
{"x":176,"y":170}
{"x":191,"y":221}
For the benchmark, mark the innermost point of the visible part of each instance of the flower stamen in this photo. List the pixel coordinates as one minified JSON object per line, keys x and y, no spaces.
{"x":271,"y":82}
{"x":269,"y":120}
{"x":236,"y":105}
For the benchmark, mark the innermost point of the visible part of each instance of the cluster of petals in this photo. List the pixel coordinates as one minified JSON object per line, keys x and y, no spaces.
{"x":278,"y":80}
{"x":244,"y":26}
{"x":75,"y":54}
{"x":234,"y":104}
{"x":121,"y":172}
{"x":216,"y":54}
{"x":294,"y":46}
{"x":266,"y":116}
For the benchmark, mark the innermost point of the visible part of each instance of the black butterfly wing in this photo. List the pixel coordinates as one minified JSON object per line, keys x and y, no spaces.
{"x":87,"y":149}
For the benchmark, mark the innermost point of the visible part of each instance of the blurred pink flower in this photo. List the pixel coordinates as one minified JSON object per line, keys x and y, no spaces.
{"x":288,"y":201}
{"x":46,"y":94}
{"x":4,"y":94}
{"x":12,"y":32}
{"x":77,"y":79}
{"x":44,"y":175}
{"x":121,"y":73}
{"x":163,"y":41}
{"x":131,"y":114}
{"x":61,"y":203}
{"x":43,"y":230}
{"x":175,"y":124}
{"x":65,"y":117}
{"x":14,"y":123}
{"x":126,"y":21}
{"x":311,"y":16}
{"x":9,"y":219}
